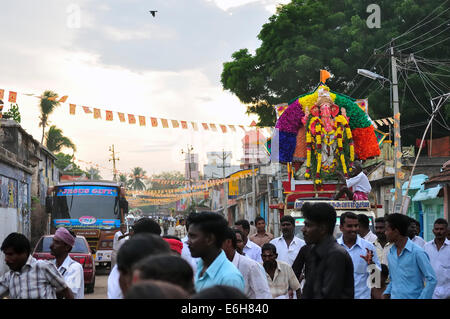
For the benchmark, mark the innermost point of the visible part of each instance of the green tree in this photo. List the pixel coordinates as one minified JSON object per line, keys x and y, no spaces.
{"x":136,"y":180}
{"x":56,"y":141}
{"x":65,"y":164}
{"x":305,"y":36}
{"x":13,"y":113}
{"x":47,"y":105}
{"x":123,"y":179}
{"x":93,"y":173}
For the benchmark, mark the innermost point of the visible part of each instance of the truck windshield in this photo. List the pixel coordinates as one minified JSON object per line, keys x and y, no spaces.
{"x":76,"y":201}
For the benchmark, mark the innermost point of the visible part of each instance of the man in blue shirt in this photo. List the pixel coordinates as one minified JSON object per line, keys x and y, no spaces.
{"x":411,"y":274}
{"x":206,"y":234}
{"x":362,"y":252}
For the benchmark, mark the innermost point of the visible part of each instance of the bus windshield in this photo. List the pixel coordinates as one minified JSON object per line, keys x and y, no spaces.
{"x":73,"y":202}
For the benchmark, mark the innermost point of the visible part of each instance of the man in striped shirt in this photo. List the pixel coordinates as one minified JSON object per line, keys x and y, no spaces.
{"x":29,"y":278}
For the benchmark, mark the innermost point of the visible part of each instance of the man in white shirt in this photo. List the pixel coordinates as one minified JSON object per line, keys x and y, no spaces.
{"x":359,"y":183}
{"x":256,"y":285}
{"x":439,"y":252}
{"x":71,"y":270}
{"x":364,"y":229}
{"x":251,"y":249}
{"x":381,"y":244}
{"x":288,"y":245}
{"x":119,"y":238}
{"x":412,"y":234}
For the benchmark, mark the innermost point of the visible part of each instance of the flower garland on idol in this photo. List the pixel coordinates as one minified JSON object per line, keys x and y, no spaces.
{"x":316,"y":134}
{"x":342,"y":135}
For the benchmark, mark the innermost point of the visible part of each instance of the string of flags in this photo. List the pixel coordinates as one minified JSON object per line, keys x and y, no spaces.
{"x":141,"y":120}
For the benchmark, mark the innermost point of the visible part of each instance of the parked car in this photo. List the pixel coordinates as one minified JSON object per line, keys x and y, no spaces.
{"x":80,"y":253}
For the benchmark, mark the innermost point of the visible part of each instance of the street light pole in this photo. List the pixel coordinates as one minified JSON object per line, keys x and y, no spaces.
{"x":397,"y":137}
{"x":188,"y":152}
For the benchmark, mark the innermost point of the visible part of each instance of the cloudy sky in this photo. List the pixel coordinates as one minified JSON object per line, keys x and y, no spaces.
{"x":114,"y":55}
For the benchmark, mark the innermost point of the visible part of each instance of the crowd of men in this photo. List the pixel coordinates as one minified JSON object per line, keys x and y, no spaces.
{"x":207,"y":258}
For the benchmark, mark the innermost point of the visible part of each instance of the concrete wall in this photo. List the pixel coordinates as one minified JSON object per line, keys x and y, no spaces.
{"x":15,"y":201}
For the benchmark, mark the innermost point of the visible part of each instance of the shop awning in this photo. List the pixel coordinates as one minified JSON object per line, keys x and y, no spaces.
{"x":425,"y":194}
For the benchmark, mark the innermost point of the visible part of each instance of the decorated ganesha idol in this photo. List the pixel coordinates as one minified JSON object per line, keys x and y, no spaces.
{"x":324,"y":131}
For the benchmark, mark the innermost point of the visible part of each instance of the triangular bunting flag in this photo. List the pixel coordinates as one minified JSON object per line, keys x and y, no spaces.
{"x":86,"y":109}
{"x":175,"y":124}
{"x":12,"y":97}
{"x":141,"y":120}
{"x":131,"y":119}
{"x":121,"y":117}
{"x":109,"y":115}
{"x":165,"y":123}
{"x":72,"y":109}
{"x":232,"y":128}
{"x":213,"y":127}
{"x":154,"y":121}
{"x":184,"y":125}
{"x":63,"y":99}
{"x":97,"y":114}
{"x":223,"y":127}
{"x":205,"y":126}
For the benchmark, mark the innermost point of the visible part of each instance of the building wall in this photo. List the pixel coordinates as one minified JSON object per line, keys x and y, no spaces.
{"x":15,"y":201}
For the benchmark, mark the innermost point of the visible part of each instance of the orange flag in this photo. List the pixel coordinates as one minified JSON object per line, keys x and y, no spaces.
{"x":12,"y":97}
{"x":63,"y":99}
{"x":109,"y":115}
{"x":97,"y":114}
{"x":232,"y":128}
{"x":223,"y":127}
{"x":2,"y":94}
{"x":72,"y":108}
{"x":184,"y":125}
{"x":131,"y":119}
{"x":141,"y":120}
{"x":324,"y":75}
{"x":175,"y":123}
{"x":86,"y":109}
{"x":165,"y":124}
{"x":154,"y":121}
{"x":213,"y":127}
{"x":205,"y":126}
{"x":121,"y":116}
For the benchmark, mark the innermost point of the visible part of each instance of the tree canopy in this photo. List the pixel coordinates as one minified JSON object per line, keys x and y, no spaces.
{"x":305,"y":36}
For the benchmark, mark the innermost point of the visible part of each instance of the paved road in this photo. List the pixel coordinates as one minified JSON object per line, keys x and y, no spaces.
{"x":101,"y":285}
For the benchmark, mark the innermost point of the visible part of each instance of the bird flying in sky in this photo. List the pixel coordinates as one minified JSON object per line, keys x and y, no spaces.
{"x":153,"y":12}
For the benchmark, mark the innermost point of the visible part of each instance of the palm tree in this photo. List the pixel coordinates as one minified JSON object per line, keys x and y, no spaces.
{"x":137,"y":175}
{"x":55,"y":140}
{"x":47,"y":106}
{"x":123,"y":179}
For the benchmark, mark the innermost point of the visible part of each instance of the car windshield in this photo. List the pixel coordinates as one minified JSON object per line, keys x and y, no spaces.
{"x":44,"y":245}
{"x":74,"y":202}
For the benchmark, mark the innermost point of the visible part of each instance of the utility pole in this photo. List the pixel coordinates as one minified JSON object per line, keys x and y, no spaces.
{"x":188,"y":152}
{"x":113,"y":159}
{"x":225,"y":185}
{"x":397,"y":137}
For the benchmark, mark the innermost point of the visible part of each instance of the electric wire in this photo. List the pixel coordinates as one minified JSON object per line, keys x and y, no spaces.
{"x":402,"y":44}
{"x":419,"y":24}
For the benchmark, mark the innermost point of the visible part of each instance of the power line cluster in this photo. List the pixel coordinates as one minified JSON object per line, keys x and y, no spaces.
{"x":432,"y":73}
